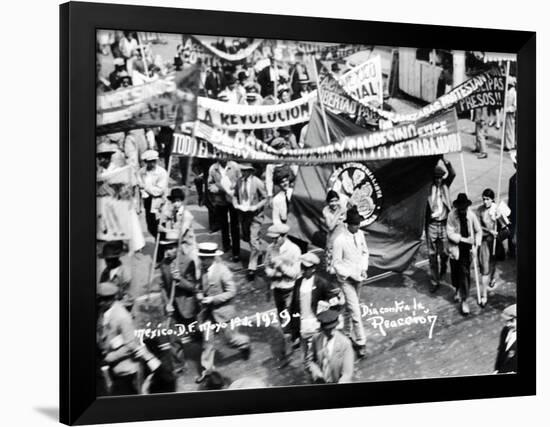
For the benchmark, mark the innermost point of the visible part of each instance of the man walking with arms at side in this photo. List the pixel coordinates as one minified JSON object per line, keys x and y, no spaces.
{"x":331,"y":357}
{"x":250,"y":199}
{"x":153,"y":181}
{"x":222,"y":179}
{"x":350,"y":261}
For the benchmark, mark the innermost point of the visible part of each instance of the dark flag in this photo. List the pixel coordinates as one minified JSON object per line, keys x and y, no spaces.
{"x":390,"y":194}
{"x":167,"y":101}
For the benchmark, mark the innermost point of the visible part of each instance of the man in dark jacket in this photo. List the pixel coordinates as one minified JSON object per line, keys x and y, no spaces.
{"x":507,"y":352}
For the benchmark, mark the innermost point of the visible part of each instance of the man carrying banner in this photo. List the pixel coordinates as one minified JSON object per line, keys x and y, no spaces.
{"x":249,"y":200}
{"x":439,"y":206}
{"x":222,"y":178}
{"x":153,"y":182}
{"x":350,"y":261}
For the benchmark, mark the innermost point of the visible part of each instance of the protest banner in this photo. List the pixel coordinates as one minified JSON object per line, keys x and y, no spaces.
{"x":490,"y":94}
{"x":336,"y":100}
{"x":166,"y":101}
{"x":364,"y":82}
{"x":236,"y":116}
{"x":201,"y":49}
{"x":429,"y":137}
{"x":445,"y":101}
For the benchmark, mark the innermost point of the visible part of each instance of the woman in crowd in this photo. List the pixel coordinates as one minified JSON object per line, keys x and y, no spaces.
{"x":464,"y":233}
{"x":334,"y":214}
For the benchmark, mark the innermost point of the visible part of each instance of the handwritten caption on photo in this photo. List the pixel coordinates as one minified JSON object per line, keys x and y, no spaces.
{"x":379,"y":318}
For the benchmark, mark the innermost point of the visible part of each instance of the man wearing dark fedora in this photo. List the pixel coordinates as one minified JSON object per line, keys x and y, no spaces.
{"x":350,"y":255}
{"x":464,"y":233}
{"x":215,"y":295}
{"x":116,"y":271}
{"x":507,"y":353}
{"x":249,"y":200}
{"x":331,"y":357}
{"x":437,"y":210}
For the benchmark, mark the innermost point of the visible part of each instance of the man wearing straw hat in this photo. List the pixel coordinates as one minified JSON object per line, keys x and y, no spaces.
{"x":350,"y":261}
{"x":153,"y":182}
{"x":215,"y":295}
{"x":464,"y":233}
{"x":506,"y":361}
{"x":249,"y":200}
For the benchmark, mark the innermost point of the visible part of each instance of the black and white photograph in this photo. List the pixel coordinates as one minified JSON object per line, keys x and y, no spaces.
{"x":277,"y":213}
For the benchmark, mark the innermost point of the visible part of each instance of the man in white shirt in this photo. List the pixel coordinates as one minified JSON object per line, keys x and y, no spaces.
{"x":127,"y":45}
{"x":153,"y":182}
{"x":282,"y":268}
{"x":281,"y":201}
{"x":510,"y":110}
{"x":222,"y":178}
{"x":249,"y":200}
{"x":350,"y":261}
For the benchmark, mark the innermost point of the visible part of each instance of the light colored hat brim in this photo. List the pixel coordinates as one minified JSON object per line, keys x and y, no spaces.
{"x":210,"y":255}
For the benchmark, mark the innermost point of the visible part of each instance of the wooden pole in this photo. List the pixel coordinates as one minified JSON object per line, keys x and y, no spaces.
{"x":502,"y":136}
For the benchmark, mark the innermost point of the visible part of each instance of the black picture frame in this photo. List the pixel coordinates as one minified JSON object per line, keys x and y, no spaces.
{"x":78,"y":401}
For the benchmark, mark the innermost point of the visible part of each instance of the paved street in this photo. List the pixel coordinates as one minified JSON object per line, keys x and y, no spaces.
{"x":457,"y":345}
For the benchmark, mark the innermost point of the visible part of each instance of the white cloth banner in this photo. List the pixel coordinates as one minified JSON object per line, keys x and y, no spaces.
{"x":364,"y":82}
{"x":240,"y":116}
{"x":235,"y":57}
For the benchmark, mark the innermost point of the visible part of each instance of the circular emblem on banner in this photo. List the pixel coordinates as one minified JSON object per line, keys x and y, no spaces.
{"x":358,"y":183}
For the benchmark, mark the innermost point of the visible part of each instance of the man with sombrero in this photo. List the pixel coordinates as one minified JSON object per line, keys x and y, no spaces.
{"x":215,"y":295}
{"x":464,"y":233}
{"x":116,"y":271}
{"x":249,"y":201}
{"x":350,"y":261}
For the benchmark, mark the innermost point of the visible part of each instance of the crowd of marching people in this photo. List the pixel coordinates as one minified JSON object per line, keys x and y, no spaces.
{"x":316,"y":294}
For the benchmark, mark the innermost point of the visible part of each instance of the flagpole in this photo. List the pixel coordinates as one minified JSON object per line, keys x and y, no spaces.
{"x":502,"y":136}
{"x":323,"y":114}
{"x":143,"y":54}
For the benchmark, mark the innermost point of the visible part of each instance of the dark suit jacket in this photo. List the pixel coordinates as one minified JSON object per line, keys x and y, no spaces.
{"x":214,"y":83}
{"x":267,"y":85}
{"x":184,"y":292}
{"x":506,"y":359}
{"x":219,"y":285}
{"x":340,"y":362}
{"x":257,"y":192}
{"x":322,"y":291}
